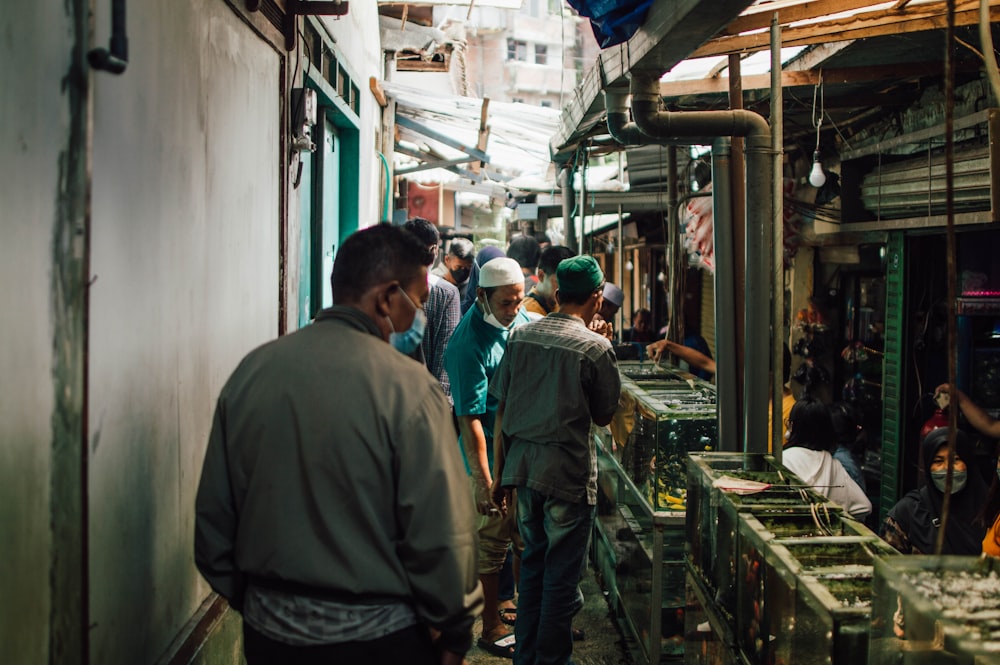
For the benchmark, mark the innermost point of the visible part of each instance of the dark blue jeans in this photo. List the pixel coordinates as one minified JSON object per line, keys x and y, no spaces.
{"x":555,"y":535}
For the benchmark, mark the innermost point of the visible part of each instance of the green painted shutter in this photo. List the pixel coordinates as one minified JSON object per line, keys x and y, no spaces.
{"x":892,"y":425}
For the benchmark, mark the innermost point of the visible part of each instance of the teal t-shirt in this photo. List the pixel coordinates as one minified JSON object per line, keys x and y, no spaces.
{"x":473,"y":355}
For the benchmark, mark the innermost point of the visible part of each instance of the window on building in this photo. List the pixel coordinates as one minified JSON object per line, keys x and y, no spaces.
{"x":517,"y":50}
{"x":546,"y":104}
{"x":541,"y":54}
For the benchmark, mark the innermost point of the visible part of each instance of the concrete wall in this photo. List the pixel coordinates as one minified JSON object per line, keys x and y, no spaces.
{"x":34,"y":130}
{"x":185,"y":249}
{"x":356,"y":35}
{"x":139,"y":250}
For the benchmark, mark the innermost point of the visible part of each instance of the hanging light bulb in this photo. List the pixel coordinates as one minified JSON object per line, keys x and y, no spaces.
{"x":816,"y":177}
{"x":628,"y":265}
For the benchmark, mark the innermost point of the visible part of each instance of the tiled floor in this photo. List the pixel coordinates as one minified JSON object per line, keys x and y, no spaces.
{"x":603,"y":645}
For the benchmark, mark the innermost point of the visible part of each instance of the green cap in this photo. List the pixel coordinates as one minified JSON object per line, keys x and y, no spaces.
{"x":579,"y":275}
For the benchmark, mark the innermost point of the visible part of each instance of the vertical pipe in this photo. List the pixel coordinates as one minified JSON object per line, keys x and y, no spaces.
{"x":737,"y":171}
{"x":577,"y":245}
{"x":725,"y":298}
{"x":568,"y":205}
{"x":777,"y":244}
{"x":620,"y":270}
{"x":756,"y":363}
{"x":673,"y":252}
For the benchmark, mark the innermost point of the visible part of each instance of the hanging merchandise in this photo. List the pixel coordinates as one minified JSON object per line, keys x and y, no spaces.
{"x":697,"y":231}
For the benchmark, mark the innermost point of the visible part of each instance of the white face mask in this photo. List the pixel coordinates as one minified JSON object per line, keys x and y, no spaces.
{"x":491,"y":318}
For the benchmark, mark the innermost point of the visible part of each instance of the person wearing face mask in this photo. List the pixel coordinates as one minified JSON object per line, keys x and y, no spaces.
{"x":913,"y":523}
{"x":473,"y":355}
{"x":456,"y":266}
{"x":442,"y":308}
{"x":556,"y":379}
{"x":332,"y":510}
{"x":542,"y":298}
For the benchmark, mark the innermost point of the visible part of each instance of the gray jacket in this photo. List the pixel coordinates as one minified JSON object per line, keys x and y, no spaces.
{"x":333,"y":468}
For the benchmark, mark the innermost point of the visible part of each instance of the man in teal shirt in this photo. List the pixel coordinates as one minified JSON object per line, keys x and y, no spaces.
{"x":474,"y":352}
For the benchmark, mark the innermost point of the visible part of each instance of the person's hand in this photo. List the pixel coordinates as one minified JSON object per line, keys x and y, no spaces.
{"x":501,"y":496}
{"x":655,"y":349}
{"x":484,"y":498}
{"x":601,"y":327}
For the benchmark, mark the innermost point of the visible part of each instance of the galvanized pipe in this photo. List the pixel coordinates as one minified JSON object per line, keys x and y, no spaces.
{"x":777,"y":245}
{"x":725,"y":297}
{"x":759,"y":215}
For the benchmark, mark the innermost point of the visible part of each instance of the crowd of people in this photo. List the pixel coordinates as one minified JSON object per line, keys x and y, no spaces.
{"x":377,"y":480}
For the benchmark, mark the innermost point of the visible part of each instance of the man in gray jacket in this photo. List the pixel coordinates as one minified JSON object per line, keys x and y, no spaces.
{"x":333,"y":510}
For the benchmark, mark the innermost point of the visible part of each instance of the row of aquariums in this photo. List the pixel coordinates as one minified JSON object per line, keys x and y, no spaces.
{"x":713,"y":557}
{"x":638,"y":546}
{"x":776,"y":574}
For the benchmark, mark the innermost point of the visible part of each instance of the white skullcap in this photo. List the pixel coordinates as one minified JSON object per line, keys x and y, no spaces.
{"x":500,"y":271}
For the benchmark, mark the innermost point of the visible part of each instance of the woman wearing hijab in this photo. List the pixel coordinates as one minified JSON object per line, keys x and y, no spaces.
{"x":913,"y":523}
{"x":484,"y":255}
{"x":807,"y":454}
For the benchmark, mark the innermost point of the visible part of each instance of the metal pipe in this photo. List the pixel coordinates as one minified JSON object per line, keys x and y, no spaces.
{"x":777,"y":246}
{"x":674,"y":252}
{"x":619,"y":125}
{"x":759,"y":214}
{"x":568,"y":205}
{"x":725,"y":297}
{"x":115,"y":58}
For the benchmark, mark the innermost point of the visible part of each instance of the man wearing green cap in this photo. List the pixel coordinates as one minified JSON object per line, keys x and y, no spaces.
{"x":555,"y":378}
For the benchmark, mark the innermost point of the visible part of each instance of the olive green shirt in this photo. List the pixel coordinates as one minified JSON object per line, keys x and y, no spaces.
{"x":555,"y":377}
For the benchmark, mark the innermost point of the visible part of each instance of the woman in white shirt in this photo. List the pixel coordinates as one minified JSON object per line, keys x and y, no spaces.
{"x":807,"y":454}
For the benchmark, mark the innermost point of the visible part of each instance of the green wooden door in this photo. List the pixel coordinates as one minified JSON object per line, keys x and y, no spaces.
{"x":306,"y":194}
{"x":892,"y":382}
{"x":329,"y":206}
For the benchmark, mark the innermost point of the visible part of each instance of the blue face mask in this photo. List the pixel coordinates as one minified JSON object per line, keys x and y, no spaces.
{"x":407,"y":342}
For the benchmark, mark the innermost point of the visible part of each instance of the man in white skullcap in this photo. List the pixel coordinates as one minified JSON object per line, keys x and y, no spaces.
{"x":473,"y":354}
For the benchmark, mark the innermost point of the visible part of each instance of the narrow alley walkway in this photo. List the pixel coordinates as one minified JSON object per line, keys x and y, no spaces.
{"x":604,"y":643}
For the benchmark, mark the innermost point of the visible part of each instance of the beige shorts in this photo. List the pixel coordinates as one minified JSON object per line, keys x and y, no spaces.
{"x":496,"y":533}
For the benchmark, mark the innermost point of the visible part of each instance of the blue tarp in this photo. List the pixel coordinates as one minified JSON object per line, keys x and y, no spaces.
{"x":613,"y":21}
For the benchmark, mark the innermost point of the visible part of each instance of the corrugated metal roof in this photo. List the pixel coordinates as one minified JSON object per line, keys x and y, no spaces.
{"x":518,"y":133}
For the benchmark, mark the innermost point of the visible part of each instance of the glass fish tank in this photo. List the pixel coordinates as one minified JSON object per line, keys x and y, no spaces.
{"x":707,"y":639}
{"x":639,"y":556}
{"x":714,"y":512}
{"x":936,"y":609}
{"x":664,"y":413}
{"x":807,"y":600}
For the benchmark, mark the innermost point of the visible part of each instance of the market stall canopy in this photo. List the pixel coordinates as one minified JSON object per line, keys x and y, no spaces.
{"x":671,"y":32}
{"x":445,"y":138}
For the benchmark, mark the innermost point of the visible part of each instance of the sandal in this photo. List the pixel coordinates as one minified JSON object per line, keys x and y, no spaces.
{"x":501,"y":648}
{"x":508,"y":615}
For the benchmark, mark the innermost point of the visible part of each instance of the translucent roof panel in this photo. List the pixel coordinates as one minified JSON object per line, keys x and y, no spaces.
{"x":699,"y":68}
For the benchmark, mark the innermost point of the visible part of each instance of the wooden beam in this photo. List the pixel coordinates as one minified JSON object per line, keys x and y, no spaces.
{"x":484,"y":130}
{"x":806,"y":11}
{"x":872,"y":24}
{"x":808,"y":78}
{"x":376,"y":87}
